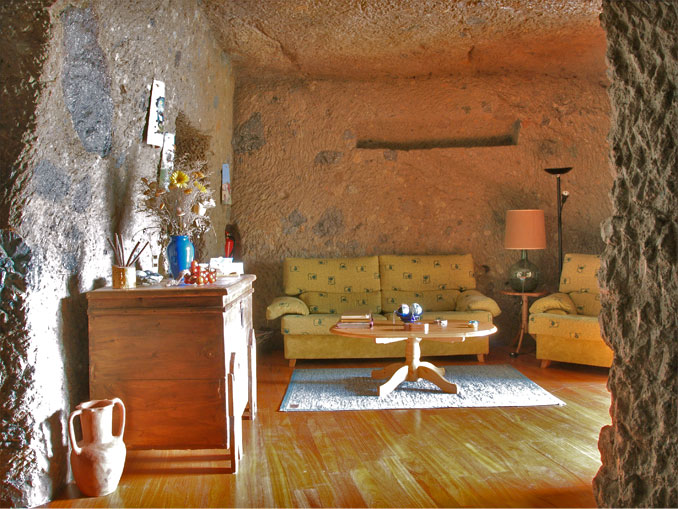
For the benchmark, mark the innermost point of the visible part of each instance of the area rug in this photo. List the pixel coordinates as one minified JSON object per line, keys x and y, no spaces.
{"x":490,"y":385}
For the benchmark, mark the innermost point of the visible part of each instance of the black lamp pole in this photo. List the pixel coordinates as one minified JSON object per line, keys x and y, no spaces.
{"x":562,"y":196}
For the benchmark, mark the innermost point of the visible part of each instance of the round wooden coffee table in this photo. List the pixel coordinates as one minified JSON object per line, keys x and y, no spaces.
{"x":414,"y":368}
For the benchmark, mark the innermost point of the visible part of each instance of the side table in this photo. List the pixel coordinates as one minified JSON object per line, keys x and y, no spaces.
{"x":523,"y":321}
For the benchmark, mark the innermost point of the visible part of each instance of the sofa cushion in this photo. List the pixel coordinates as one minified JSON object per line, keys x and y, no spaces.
{"x":435,"y":300}
{"x":286,"y":305}
{"x":555,"y":301}
{"x":570,"y":326}
{"x":586,"y":303}
{"x":325,"y":302}
{"x":319,"y":323}
{"x":580,"y":273}
{"x":473,"y":300}
{"x":422,"y":273}
{"x":334,"y":275}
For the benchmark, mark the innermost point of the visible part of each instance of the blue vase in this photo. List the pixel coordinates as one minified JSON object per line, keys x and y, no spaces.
{"x":180,"y":253}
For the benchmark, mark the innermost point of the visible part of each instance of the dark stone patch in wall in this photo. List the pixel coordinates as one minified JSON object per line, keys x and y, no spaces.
{"x":82,"y":195}
{"x":390,"y":155}
{"x":17,"y":458}
{"x":177,"y":58}
{"x":293,"y":222}
{"x":51,"y":181}
{"x":331,"y":223}
{"x":24,"y":32}
{"x":86,"y":82}
{"x":192,"y":145}
{"x":249,"y":136}
{"x":328,"y":157}
{"x":73,"y":240}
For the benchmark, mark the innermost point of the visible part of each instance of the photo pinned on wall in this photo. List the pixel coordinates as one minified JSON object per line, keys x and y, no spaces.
{"x":226,"y":198}
{"x":156,"y":115}
{"x":166,"y":161}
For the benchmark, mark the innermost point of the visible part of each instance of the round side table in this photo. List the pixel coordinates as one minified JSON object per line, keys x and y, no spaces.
{"x":523,"y":321}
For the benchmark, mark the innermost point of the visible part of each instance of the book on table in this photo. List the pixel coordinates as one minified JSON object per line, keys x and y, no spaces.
{"x":356,"y":318}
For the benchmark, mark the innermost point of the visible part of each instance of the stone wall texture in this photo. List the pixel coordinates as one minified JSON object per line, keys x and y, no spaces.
{"x":74,"y":157}
{"x":639,"y":275}
{"x":417,"y":166}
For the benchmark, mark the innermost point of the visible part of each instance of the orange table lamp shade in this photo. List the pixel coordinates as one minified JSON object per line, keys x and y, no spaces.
{"x":525,"y":229}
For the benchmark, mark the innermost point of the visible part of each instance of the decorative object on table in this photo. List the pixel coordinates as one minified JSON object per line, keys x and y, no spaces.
{"x":156,"y":115}
{"x":124,"y":273}
{"x":227,"y":267}
{"x":200,"y":275}
{"x":180,"y":254}
{"x":180,"y":211}
{"x":229,"y":244}
{"x":335,"y":389}
{"x":524,"y":230}
{"x":356,"y":318}
{"x":98,"y":459}
{"x":409,"y":313}
{"x":148,"y":277}
{"x":560,"y":201}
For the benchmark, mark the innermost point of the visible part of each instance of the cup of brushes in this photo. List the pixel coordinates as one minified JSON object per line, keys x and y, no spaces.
{"x":124,"y":270}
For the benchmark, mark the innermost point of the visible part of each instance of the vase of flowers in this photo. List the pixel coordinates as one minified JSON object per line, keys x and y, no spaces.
{"x":179,"y":209}
{"x":180,"y":254}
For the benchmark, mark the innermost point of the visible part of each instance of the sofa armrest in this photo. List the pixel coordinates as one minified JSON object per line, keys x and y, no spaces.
{"x":553,"y":303}
{"x":473,"y":300}
{"x":286,"y":306}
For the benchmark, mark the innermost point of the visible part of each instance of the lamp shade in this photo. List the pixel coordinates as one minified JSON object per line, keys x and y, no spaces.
{"x":525,"y":229}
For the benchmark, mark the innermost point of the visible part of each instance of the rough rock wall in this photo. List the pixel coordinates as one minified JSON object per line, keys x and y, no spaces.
{"x":76,"y":181}
{"x":351,"y":168}
{"x":639,"y":274}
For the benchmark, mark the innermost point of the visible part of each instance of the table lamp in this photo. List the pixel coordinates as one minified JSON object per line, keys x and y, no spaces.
{"x":524,"y":230}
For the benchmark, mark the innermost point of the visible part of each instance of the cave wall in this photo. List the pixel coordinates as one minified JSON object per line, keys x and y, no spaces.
{"x":81,"y":95}
{"x":417,"y":166}
{"x":639,"y":278}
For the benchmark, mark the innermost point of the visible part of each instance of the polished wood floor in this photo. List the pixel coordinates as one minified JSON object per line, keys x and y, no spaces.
{"x":485,"y":457}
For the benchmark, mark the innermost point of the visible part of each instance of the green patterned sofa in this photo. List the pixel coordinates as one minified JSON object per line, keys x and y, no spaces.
{"x":565,"y":324}
{"x":318,"y":290}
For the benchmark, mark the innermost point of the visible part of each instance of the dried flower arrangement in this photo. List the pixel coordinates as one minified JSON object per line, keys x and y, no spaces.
{"x":181,"y":207}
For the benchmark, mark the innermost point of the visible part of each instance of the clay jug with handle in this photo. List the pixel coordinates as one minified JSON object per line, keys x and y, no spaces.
{"x":98,"y":459}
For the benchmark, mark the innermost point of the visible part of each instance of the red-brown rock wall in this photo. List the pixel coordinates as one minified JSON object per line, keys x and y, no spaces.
{"x":443,"y":160}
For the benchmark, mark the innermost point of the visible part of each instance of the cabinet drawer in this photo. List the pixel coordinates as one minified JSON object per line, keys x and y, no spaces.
{"x":130,"y":346}
{"x":167,"y":414}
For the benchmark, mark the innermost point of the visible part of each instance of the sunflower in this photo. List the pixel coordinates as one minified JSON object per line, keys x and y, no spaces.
{"x":179,"y":179}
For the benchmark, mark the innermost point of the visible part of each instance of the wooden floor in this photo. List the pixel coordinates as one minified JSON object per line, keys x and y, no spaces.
{"x":486,"y":457}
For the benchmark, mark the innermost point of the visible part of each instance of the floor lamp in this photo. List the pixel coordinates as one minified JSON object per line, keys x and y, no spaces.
{"x":562,"y":196}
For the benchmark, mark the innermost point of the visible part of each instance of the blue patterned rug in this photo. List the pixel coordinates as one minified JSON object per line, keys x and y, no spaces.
{"x":484,"y":385}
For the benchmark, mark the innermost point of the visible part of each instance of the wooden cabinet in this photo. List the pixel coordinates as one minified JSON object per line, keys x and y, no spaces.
{"x":168,"y":352}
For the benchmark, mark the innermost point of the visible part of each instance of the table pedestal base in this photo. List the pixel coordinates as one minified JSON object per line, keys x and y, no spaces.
{"x":412,"y":370}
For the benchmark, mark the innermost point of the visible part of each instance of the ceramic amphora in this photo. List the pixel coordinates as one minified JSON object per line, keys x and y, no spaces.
{"x":98,"y":459}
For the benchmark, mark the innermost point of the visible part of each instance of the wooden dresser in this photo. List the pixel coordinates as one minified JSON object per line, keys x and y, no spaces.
{"x":167,"y":353}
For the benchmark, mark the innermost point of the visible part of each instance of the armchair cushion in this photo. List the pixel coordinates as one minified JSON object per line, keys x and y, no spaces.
{"x":586,"y":303}
{"x":580,"y":273}
{"x":337,"y":303}
{"x":473,"y":300}
{"x":555,"y":301}
{"x":571,"y":326}
{"x":286,"y":305}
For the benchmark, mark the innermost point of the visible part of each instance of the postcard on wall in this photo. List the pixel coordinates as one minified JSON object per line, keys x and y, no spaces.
{"x":166,"y":160}
{"x":156,"y":115}
{"x":226,"y":185}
